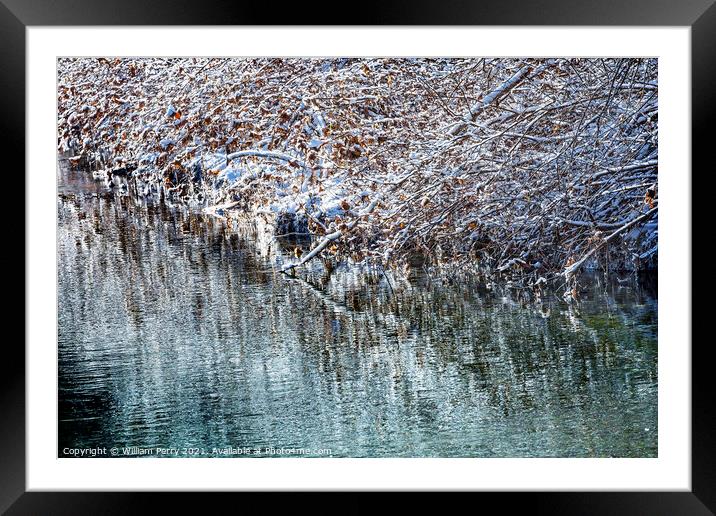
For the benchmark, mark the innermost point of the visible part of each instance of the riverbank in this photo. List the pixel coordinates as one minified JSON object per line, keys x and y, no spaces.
{"x":522,"y":171}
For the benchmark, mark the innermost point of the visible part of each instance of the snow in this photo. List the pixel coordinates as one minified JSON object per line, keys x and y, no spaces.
{"x":164,"y":143}
{"x":514,"y":160}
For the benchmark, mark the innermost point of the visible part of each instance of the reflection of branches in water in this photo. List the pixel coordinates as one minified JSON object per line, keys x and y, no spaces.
{"x":507,"y":346}
{"x":422,"y":345}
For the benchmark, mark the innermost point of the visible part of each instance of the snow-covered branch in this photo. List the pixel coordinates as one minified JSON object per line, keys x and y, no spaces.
{"x":505,"y":165}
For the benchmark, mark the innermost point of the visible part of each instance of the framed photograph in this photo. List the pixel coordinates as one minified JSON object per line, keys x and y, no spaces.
{"x":443,"y":248}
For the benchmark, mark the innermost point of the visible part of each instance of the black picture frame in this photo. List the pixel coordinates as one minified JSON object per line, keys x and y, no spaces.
{"x":700,"y":15}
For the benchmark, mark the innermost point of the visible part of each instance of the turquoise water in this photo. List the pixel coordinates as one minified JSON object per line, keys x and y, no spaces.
{"x":177,"y":339}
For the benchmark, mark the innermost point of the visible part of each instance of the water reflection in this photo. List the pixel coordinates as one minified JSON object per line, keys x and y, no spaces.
{"x":173,"y":332}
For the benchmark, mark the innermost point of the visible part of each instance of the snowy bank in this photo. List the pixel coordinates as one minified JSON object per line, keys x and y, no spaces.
{"x":526,"y":169}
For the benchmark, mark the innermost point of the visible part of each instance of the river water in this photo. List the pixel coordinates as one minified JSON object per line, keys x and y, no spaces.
{"x":174,"y":333}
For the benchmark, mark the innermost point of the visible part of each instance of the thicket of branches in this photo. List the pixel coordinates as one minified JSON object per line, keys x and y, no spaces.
{"x":527,"y":168}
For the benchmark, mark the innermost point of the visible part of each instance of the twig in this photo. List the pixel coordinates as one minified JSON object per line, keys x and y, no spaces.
{"x":569,"y":271}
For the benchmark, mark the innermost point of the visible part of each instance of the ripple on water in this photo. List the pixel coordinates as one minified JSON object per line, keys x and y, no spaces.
{"x":175,"y":336}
